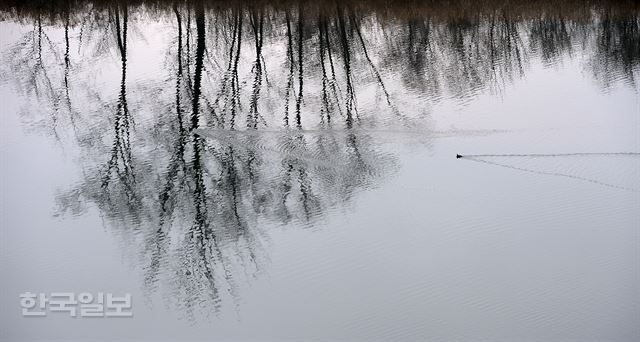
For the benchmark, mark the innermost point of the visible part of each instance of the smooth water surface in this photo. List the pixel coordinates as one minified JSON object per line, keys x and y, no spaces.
{"x":289,"y":171}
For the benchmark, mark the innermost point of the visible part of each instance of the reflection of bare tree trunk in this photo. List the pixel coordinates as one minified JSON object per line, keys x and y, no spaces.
{"x":66,"y":56}
{"x":289,"y":88}
{"x":201,"y":226}
{"x":121,"y":161}
{"x":67,"y":65}
{"x":201,"y":236}
{"x":39,"y":23}
{"x":201,"y":222}
{"x":188,"y":45}
{"x":300,"y":63}
{"x":324,"y":110}
{"x":197,"y":79}
{"x":177,"y":161}
{"x":257,"y":23}
{"x":159,"y":239}
{"x":235,"y":82}
{"x":179,"y":74}
{"x":346,"y":57}
{"x":333,"y":83}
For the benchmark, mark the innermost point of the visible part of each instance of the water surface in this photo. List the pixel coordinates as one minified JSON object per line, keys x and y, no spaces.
{"x":289,"y":170}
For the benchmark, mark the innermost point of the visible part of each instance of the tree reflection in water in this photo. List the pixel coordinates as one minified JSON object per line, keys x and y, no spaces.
{"x":263,"y":114}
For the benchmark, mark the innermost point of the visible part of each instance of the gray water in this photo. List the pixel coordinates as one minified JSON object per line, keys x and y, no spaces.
{"x":290,"y":171}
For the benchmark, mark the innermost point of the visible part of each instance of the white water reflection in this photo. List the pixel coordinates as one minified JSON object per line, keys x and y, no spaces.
{"x":271,"y":173}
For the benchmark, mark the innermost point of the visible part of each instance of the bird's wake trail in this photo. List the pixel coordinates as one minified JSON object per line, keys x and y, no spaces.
{"x":620,"y":170}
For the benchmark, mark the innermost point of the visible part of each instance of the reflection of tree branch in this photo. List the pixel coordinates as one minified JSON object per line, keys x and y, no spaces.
{"x":230,"y":85}
{"x":121,"y":158}
{"x":67,"y":63}
{"x":257,"y":22}
{"x":356,"y":26}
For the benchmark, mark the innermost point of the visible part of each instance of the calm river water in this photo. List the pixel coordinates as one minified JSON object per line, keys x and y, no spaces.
{"x":289,"y":171}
